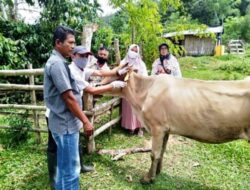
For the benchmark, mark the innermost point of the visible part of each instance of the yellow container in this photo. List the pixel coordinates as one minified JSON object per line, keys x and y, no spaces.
{"x":219,"y":50}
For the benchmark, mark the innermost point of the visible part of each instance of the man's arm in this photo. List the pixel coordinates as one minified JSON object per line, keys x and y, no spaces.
{"x":98,"y":90}
{"x":105,"y":73}
{"x":74,"y":107}
{"x":105,"y":88}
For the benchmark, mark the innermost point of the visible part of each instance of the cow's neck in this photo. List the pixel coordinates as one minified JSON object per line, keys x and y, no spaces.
{"x":136,"y":90}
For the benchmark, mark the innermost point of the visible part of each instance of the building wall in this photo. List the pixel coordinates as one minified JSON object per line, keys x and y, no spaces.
{"x":199,"y":46}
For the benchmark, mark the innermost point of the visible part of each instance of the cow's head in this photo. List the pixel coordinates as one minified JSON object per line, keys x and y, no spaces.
{"x":124,"y":77}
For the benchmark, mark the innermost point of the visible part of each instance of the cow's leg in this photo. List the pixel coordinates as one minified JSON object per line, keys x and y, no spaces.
{"x":164,"y":144}
{"x":157,"y":142}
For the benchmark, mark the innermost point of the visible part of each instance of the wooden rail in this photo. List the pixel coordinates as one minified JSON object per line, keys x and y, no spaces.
{"x":20,"y":87}
{"x":31,"y":129}
{"x":92,"y":112}
{"x":21,"y":72}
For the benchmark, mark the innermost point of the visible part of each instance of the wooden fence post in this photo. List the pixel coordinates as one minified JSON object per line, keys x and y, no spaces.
{"x":110,"y":118}
{"x":33,"y":100}
{"x":88,"y":106}
{"x":117,"y":52}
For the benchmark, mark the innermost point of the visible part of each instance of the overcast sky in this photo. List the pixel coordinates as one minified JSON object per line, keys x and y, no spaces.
{"x":107,"y":9}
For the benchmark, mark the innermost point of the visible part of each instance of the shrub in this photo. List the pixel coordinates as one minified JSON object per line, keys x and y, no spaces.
{"x":18,"y":132}
{"x":243,"y":68}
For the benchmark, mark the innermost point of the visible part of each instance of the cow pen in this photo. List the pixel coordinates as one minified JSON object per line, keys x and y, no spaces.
{"x":37,"y":111}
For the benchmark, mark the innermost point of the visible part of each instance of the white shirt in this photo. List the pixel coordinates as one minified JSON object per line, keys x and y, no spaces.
{"x":171,"y":64}
{"x":81,"y":77}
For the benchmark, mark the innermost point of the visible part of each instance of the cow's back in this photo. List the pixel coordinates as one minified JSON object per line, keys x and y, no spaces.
{"x":213,"y":111}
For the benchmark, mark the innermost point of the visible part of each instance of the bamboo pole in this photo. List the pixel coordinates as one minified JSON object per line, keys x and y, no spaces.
{"x":105,"y":126}
{"x":20,"y":87}
{"x":31,"y":107}
{"x":24,"y":107}
{"x":110,"y":117}
{"x":106,"y":106}
{"x":88,"y":105}
{"x":118,"y":154}
{"x":18,"y":113}
{"x":21,"y":72}
{"x":33,"y":101}
{"x":31,"y":130}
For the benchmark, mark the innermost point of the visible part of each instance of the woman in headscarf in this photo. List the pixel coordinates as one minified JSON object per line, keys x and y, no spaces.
{"x":129,"y":120}
{"x":166,"y":63}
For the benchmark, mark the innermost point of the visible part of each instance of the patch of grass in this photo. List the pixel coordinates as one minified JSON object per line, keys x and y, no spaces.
{"x":23,"y":168}
{"x":226,"y":67}
{"x":226,"y":166}
{"x":188,"y":165}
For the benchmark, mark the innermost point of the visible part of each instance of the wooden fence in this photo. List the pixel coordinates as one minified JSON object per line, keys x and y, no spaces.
{"x":93,"y":112}
{"x":236,"y":47}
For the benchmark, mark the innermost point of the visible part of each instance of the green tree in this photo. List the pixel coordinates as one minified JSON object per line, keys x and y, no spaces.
{"x":144,"y":24}
{"x":119,"y":22}
{"x":9,"y":8}
{"x":237,"y":27}
{"x":246,"y":25}
{"x":71,"y":13}
{"x":243,"y":7}
{"x":37,"y":39}
{"x":212,"y":12}
{"x":103,"y":36}
{"x":233,"y":28}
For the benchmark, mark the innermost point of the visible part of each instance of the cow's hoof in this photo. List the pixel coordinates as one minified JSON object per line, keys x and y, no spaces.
{"x":146,"y":180}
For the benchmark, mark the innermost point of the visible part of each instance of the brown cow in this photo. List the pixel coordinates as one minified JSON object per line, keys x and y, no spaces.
{"x":207,"y":111}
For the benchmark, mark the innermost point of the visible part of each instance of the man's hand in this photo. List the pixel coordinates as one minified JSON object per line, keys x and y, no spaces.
{"x":118,"y":84}
{"x":123,"y":71}
{"x":88,"y":129}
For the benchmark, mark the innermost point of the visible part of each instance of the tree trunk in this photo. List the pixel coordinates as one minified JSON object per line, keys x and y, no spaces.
{"x":133,"y":35}
{"x":3,"y":10}
{"x":117,"y":52}
{"x":87,"y":34}
{"x":15,"y":9}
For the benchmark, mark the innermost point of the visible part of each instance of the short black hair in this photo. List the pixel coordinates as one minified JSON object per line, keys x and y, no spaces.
{"x":103,"y":48}
{"x":163,"y":44}
{"x":61,"y":33}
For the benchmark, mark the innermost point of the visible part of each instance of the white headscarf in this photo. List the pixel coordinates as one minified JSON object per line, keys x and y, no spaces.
{"x":134,"y":59}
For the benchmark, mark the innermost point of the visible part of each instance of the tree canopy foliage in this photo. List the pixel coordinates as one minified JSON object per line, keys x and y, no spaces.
{"x":37,"y":38}
{"x":137,"y":21}
{"x":211,"y":12}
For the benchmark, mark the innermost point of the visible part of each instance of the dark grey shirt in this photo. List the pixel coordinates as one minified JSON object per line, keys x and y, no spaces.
{"x":58,"y":79}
